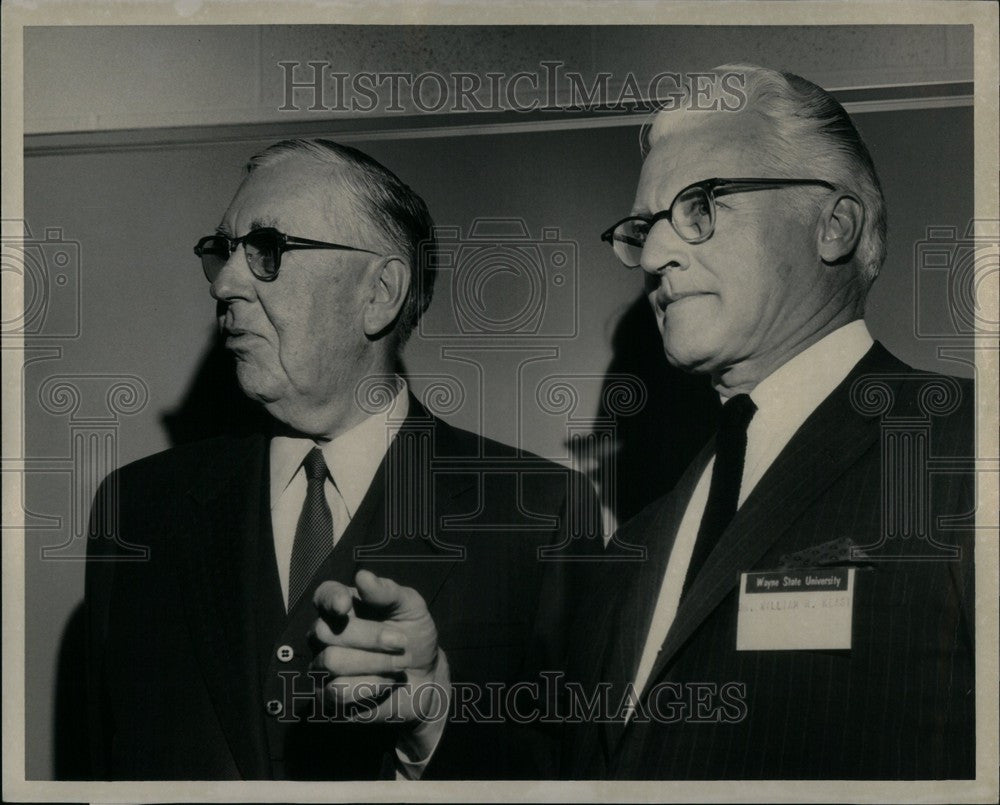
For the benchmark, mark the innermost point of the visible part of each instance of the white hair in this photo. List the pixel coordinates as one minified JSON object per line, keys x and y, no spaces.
{"x":810,"y":132}
{"x":390,"y":206}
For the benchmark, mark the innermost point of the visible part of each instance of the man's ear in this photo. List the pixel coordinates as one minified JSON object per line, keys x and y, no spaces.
{"x":389,"y":287}
{"x":840,"y":228}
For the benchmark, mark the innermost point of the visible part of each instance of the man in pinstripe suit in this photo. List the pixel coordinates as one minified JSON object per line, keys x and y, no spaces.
{"x":804,"y":607}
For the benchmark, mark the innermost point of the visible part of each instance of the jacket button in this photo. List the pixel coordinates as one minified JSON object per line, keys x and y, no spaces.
{"x":273,"y":707}
{"x":286,"y":653}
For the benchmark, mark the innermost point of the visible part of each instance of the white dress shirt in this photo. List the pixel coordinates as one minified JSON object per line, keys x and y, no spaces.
{"x":352,"y":460}
{"x":784,"y":400}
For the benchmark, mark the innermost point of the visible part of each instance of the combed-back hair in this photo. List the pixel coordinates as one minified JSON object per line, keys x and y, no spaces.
{"x":813,"y":137}
{"x":391,"y":207}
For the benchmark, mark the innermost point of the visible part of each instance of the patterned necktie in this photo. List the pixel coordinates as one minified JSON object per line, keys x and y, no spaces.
{"x":727,"y":474}
{"x":314,"y":532}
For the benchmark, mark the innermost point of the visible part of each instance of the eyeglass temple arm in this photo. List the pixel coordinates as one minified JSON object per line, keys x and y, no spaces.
{"x":723,"y":186}
{"x":290,"y":244}
{"x":294,"y":244}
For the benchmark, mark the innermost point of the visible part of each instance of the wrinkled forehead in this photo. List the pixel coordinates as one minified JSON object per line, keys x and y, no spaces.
{"x":695,"y":146}
{"x":295,"y":195}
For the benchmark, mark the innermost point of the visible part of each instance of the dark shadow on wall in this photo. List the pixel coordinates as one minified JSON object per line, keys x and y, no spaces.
{"x":69,"y":719}
{"x":214,"y":405}
{"x":656,"y":443}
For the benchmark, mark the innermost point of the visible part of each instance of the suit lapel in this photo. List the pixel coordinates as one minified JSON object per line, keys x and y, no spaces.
{"x":405,"y":505}
{"x":824,"y":447}
{"x":637,"y":595}
{"x":217,"y":557}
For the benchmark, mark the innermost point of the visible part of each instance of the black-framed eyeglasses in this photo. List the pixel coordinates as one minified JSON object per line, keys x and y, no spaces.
{"x":691,"y":213}
{"x":263,"y":248}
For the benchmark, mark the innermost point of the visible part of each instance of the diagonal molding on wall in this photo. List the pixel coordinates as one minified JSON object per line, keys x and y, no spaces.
{"x":857,"y":100}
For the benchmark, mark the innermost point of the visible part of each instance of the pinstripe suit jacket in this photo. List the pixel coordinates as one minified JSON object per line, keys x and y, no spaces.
{"x":888,"y":453}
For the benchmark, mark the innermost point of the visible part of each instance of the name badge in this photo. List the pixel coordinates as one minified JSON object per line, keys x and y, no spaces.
{"x":795,"y":609}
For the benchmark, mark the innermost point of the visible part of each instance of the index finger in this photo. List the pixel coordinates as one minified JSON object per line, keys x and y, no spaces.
{"x":384,"y":593}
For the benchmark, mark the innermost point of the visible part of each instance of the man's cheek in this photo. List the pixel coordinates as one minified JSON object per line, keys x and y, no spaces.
{"x":302,"y":354}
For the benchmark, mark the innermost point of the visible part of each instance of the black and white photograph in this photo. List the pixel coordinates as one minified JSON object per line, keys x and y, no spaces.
{"x":485,"y":402}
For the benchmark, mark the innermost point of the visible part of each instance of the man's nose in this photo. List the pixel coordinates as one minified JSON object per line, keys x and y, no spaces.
{"x":664,"y":249}
{"x":234,"y":280}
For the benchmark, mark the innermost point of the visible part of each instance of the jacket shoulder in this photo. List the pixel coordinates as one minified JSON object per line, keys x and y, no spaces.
{"x":455,"y":441}
{"x":168,"y":475}
{"x":546,"y":485}
{"x":203,"y":454}
{"x":883,"y":385}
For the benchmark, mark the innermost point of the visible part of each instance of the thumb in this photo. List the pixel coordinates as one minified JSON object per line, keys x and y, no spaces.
{"x":376,"y":591}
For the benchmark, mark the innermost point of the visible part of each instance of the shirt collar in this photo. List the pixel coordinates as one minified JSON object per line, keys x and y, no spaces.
{"x":797,"y":387}
{"x":352,"y":458}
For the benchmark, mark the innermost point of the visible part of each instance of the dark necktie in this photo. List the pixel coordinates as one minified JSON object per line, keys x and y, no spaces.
{"x":314,"y":532}
{"x":724,"y":492}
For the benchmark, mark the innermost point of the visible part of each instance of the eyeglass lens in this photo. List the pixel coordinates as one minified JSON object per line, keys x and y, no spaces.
{"x":261,"y":251}
{"x":692,"y":215}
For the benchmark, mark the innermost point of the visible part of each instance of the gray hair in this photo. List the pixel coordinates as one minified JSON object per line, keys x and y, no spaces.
{"x":810,"y":128}
{"x":388,"y":204}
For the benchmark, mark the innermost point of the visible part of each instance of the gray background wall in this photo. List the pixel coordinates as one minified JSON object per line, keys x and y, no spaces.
{"x":145,"y":312}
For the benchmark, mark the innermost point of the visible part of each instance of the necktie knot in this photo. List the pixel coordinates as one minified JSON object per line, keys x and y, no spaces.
{"x":736,"y":413}
{"x":314,"y":465}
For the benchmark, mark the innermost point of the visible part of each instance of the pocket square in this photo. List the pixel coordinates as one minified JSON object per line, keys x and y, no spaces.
{"x":835,"y":552}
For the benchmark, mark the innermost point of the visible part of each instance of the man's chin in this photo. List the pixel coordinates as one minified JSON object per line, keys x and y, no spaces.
{"x":258,"y":386}
{"x":687,"y":357}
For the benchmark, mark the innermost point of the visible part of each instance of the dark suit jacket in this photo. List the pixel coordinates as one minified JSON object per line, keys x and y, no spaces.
{"x":173,"y":657}
{"x":888,"y":453}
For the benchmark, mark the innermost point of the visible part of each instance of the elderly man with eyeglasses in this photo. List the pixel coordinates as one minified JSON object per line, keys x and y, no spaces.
{"x":805,"y":607}
{"x":316,"y":597}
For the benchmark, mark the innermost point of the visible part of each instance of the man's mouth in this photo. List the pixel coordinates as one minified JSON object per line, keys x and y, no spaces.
{"x":663,"y":299}
{"x":235,"y":337}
